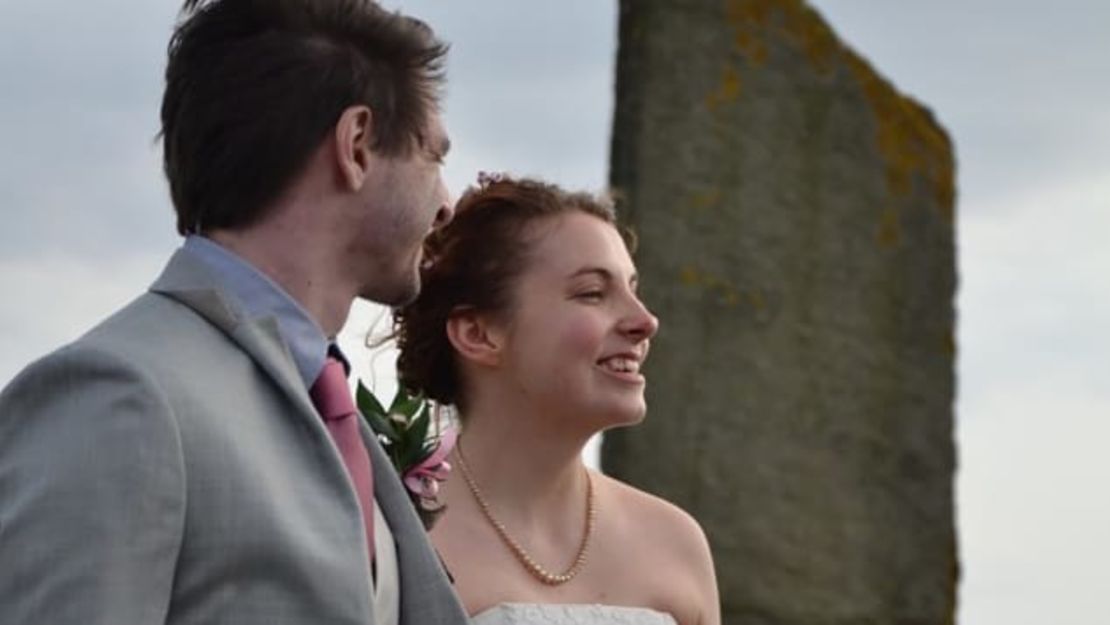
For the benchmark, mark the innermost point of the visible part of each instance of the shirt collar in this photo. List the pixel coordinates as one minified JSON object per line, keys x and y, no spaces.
{"x":262,"y":297}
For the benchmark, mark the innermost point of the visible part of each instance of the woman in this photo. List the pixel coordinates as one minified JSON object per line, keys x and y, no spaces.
{"x":529,"y":324}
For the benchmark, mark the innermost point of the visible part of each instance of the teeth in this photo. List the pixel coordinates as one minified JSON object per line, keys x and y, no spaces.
{"x":622,"y":365}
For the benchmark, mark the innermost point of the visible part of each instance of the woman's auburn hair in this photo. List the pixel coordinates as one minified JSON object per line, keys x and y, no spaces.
{"x":472,"y":263}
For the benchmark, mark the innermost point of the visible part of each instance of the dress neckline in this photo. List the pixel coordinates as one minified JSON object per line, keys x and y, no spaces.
{"x":574,"y":613}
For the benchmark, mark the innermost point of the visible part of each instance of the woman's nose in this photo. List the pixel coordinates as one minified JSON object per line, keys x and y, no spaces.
{"x":641,"y":324}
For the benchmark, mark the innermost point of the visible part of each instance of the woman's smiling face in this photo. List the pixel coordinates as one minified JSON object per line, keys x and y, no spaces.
{"x":577,"y":333}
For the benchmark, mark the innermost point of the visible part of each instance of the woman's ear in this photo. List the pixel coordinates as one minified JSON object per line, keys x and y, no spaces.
{"x":475,"y":337}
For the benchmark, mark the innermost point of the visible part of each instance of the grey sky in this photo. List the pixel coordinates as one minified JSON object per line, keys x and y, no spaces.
{"x":1020,"y":86}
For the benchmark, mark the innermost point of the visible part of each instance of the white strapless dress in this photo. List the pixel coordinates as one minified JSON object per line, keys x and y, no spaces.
{"x":569,"y":614}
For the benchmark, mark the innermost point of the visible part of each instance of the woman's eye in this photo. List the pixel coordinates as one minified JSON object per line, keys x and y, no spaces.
{"x":591,"y":295}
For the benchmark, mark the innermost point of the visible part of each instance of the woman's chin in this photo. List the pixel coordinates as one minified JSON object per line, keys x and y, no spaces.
{"x":624,"y":415}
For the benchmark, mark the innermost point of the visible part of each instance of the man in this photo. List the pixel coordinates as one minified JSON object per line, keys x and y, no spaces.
{"x":174,"y":465}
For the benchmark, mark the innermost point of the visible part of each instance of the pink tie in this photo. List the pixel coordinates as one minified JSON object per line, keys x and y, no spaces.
{"x":332,"y":399}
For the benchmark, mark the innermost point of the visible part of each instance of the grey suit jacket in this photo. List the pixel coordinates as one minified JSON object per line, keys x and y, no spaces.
{"x":168,"y":467}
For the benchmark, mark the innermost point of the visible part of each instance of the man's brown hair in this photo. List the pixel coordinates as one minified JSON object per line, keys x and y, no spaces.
{"x":254,"y":86}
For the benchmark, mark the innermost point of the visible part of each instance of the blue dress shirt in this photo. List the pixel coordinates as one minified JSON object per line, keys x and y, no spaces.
{"x":262,"y":297}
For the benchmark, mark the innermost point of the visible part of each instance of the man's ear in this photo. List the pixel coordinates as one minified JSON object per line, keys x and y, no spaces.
{"x":475,"y":337}
{"x":353,"y":135}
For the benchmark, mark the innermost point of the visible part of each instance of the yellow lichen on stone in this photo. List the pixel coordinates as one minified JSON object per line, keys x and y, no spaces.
{"x":741,"y":12}
{"x":949,"y":344}
{"x":705,"y":199}
{"x":754,"y":48}
{"x":746,"y":17}
{"x":791,"y":17}
{"x":689,"y":276}
{"x":725,"y":292}
{"x":759,"y":301}
{"x":909,"y":140}
{"x":818,"y":40}
{"x":890,"y":230}
{"x":728,"y":91}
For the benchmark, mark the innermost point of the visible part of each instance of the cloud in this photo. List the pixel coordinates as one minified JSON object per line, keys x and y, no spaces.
{"x":1014,"y":84}
{"x":1034,"y":521}
{"x":53,"y":299}
{"x":1034,"y":298}
{"x":78,"y":114}
{"x":529,"y":88}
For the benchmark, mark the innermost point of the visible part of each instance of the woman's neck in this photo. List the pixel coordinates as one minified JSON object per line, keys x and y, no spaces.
{"x":522,"y":465}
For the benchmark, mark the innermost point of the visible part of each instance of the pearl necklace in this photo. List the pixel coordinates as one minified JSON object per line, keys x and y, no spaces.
{"x":533,"y":567}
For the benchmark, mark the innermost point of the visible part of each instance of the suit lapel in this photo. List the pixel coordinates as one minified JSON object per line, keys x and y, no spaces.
{"x":190,"y":282}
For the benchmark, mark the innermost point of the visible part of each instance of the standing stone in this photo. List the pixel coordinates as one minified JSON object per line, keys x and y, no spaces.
{"x":795,"y":216}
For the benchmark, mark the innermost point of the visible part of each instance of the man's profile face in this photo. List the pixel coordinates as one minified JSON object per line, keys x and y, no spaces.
{"x":405,"y":200}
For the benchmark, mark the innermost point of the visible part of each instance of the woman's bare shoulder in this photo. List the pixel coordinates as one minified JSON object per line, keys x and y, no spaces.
{"x":675,"y":541}
{"x":655,"y":519}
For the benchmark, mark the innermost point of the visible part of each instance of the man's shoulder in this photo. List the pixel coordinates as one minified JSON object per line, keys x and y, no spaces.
{"x":149,"y":313}
{"x":149,"y":329}
{"x":155,"y":352}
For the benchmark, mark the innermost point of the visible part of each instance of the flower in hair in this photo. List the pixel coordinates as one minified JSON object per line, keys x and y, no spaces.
{"x":417,"y":440}
{"x":486,"y":178}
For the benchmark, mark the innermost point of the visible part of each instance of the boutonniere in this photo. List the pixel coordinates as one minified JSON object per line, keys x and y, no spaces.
{"x":417,"y":439}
